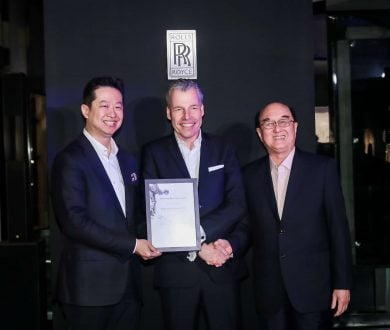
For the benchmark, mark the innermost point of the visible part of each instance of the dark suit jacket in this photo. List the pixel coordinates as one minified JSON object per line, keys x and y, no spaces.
{"x":221,"y":206}
{"x":98,"y":240}
{"x":308,"y":251}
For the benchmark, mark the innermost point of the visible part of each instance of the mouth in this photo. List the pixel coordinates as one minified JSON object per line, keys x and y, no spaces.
{"x":110,"y":123}
{"x":281,"y":137}
{"x":187,"y":124}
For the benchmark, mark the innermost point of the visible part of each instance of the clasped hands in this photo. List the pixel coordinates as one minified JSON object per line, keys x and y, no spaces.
{"x":216,"y":253}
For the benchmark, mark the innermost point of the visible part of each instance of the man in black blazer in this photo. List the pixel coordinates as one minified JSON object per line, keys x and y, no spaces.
{"x":301,"y":243}
{"x":188,"y":281}
{"x":93,"y":192}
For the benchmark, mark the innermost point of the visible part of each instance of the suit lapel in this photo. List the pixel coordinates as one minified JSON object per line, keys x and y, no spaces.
{"x":98,"y":168}
{"x":174,"y":151}
{"x":204,"y":159}
{"x":128,"y":174}
{"x":266,"y":180}
{"x":294,"y":183}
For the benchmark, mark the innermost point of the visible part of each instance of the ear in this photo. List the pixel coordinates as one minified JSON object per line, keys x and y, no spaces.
{"x":259,"y":134}
{"x":85,"y":110}
{"x":168,"y":113}
{"x":295,"y":127}
{"x":202,"y":110}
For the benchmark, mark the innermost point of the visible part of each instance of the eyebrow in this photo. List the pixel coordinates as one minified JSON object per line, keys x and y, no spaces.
{"x":282,"y":117}
{"x":105,"y":101}
{"x":190,"y":106}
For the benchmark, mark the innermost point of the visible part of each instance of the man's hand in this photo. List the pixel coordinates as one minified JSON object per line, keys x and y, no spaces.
{"x":340,"y":299}
{"x":146,"y":250}
{"x":212,"y":255}
{"x":224,"y":246}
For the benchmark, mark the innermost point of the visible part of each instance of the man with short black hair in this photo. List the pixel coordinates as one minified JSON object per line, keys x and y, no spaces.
{"x":94,"y":188}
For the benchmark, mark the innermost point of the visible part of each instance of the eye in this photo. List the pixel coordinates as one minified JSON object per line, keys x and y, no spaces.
{"x":268,"y":124}
{"x":284,"y":122}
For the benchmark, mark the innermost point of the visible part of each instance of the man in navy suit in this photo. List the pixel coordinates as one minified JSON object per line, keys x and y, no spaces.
{"x":94,"y":185}
{"x":301,"y":243}
{"x":189,"y":281}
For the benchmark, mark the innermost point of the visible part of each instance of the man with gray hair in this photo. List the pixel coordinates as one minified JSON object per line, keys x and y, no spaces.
{"x":188,"y":281}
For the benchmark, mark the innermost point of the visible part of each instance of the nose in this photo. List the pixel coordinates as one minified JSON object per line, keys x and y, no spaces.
{"x":111,"y":111}
{"x":186,"y":113}
{"x":276,"y":127}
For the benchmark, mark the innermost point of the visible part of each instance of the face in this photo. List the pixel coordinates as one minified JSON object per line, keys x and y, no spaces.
{"x":185,"y":113}
{"x":278,"y":141}
{"x":105,"y":115}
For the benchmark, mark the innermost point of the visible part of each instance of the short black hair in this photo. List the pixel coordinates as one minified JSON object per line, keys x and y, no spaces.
{"x":89,"y":90}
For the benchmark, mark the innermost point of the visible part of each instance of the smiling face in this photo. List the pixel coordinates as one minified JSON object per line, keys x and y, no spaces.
{"x":105,"y":115}
{"x":279,"y":141}
{"x":185,"y":112}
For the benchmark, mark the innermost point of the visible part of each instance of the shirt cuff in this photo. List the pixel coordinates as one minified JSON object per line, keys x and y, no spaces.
{"x":135,"y":246}
{"x":202,"y":235}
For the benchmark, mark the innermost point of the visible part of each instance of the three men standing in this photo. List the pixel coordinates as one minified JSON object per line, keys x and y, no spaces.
{"x":296,"y":215}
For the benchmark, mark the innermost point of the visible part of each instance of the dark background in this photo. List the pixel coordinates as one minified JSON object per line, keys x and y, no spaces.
{"x":249,"y":53}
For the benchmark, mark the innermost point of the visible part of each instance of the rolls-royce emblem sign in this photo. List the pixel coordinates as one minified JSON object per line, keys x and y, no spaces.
{"x":181,"y":54}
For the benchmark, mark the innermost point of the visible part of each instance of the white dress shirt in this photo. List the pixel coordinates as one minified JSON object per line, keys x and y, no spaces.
{"x":192,"y":160}
{"x":111,"y":166}
{"x":280,"y":176}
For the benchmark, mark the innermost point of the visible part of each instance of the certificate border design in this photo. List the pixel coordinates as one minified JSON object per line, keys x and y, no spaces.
{"x":195,"y":247}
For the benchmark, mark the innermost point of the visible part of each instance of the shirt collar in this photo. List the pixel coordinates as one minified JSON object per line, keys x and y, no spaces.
{"x":287,"y":163}
{"x":100,"y":148}
{"x":182,"y":143}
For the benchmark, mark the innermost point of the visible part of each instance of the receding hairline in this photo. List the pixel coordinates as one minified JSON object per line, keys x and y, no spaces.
{"x":183,"y":85}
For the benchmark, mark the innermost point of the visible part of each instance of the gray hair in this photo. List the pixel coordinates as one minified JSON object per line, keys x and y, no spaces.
{"x":183,"y":85}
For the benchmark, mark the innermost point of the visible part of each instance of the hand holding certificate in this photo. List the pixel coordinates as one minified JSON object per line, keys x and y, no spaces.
{"x":172,"y":211}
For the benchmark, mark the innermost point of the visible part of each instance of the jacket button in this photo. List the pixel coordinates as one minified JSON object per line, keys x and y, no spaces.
{"x":282,"y":256}
{"x":282,"y":231}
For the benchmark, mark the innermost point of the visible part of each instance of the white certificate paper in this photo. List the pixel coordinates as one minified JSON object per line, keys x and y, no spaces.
{"x":172,"y":212}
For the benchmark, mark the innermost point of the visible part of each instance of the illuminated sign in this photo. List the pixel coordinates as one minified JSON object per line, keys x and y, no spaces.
{"x":181,"y":54}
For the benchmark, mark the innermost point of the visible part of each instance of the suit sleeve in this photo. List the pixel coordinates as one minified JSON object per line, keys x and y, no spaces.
{"x":80,"y":215}
{"x":338,"y":229}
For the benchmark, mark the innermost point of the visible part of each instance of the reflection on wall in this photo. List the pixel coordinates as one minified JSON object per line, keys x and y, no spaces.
{"x":325,"y":139}
{"x":40,"y":148}
{"x":369,"y":142}
{"x":387,"y":153}
{"x":386,"y":139}
{"x":322,"y":125}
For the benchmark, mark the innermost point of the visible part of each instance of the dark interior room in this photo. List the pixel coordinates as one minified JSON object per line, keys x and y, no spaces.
{"x":329,"y":59}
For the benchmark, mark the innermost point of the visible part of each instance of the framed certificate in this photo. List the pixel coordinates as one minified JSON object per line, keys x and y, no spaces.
{"x":172,"y":214}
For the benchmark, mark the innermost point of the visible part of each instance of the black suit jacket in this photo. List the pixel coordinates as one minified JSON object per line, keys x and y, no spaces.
{"x":221,"y":206}
{"x":308,"y":251}
{"x":97,"y":262}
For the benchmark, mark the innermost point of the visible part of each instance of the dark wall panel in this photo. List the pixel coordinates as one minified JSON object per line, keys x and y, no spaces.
{"x":249,"y":53}
{"x":17,"y":198}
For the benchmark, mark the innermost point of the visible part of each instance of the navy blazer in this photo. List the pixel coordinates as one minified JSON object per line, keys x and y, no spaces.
{"x":221,"y":205}
{"x":97,"y":260}
{"x":307,"y":251}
